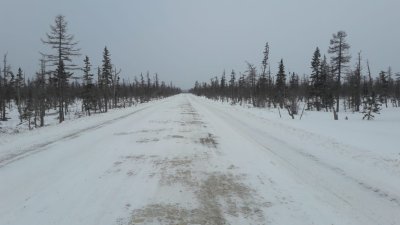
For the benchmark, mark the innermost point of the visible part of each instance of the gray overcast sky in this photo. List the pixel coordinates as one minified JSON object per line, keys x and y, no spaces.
{"x":189,"y":40}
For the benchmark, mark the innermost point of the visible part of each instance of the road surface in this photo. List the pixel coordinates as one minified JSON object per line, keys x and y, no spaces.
{"x":187,"y":160}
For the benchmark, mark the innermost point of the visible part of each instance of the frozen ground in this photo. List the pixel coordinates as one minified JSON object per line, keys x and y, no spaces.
{"x":13,"y":124}
{"x":188,"y":160}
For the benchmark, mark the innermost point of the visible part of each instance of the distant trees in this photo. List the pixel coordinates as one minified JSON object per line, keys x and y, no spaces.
{"x":328,"y":85}
{"x":397,"y":90}
{"x":6,"y":88}
{"x":19,"y":85}
{"x":383,"y":86}
{"x":28,"y":109}
{"x":252,"y":80}
{"x":223,"y":86}
{"x":41,"y":90}
{"x":57,"y":84}
{"x":232,"y":86}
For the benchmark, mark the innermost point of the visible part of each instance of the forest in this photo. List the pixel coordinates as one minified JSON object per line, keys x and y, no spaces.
{"x":59,"y":82}
{"x":332,"y":85}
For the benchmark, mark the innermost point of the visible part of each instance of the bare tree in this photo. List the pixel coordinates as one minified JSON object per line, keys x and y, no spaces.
{"x":339,"y":50}
{"x":115,"y":82}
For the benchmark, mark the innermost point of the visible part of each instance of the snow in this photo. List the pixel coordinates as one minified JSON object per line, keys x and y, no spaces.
{"x":14,"y":125}
{"x":190,"y":160}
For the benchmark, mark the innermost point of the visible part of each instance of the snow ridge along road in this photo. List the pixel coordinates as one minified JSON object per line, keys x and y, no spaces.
{"x":24,"y":152}
{"x":188,"y":160}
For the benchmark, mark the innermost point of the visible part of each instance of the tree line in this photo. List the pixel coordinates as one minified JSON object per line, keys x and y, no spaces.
{"x":331,"y":85}
{"x":56,"y":85}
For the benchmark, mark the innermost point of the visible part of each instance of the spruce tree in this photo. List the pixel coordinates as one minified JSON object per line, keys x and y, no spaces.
{"x":264,"y":62}
{"x":87,"y":95}
{"x":371,"y":106}
{"x":65,"y":48}
{"x":281,"y":84}
{"x":106,"y":77}
{"x":327,"y":84}
{"x":315,"y":79}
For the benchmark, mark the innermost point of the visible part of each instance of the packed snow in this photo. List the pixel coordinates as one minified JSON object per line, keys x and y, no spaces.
{"x":190,"y":160}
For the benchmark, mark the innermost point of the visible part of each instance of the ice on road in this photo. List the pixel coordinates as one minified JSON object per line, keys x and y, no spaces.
{"x":188,"y":160}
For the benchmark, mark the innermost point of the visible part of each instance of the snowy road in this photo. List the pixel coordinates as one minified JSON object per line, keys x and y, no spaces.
{"x":187,"y":160}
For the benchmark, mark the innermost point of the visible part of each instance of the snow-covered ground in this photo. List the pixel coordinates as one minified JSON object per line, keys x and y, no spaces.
{"x":189,"y":160}
{"x":14,"y":124}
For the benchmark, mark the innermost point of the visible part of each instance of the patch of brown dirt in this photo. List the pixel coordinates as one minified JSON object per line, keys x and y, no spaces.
{"x":218,"y":195}
{"x":165,"y":214}
{"x":209,"y":141}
